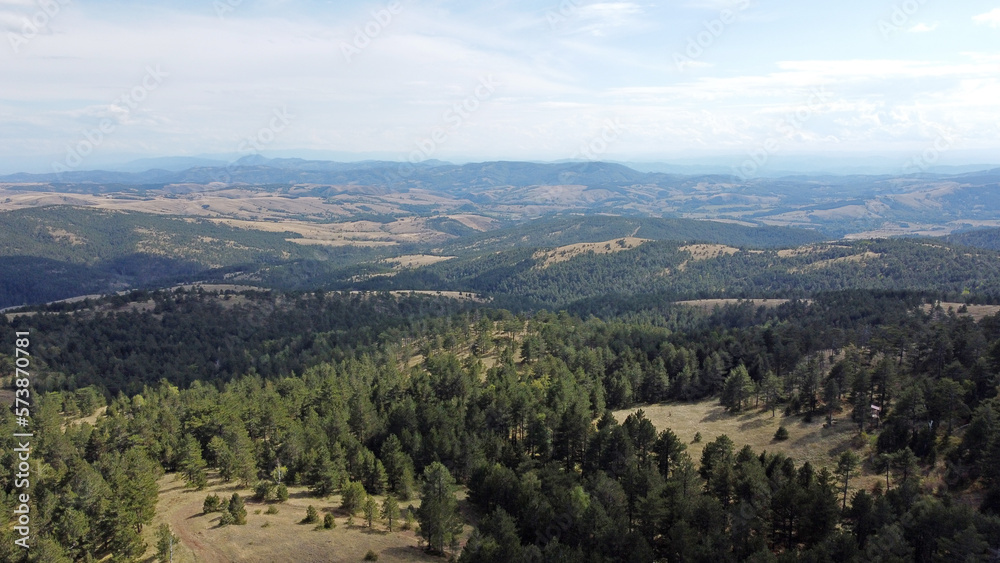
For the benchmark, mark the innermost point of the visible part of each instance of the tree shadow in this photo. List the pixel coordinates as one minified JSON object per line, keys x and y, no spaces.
{"x":716,"y":414}
{"x":180,"y":487}
{"x":754,"y":424}
{"x":401,"y":553}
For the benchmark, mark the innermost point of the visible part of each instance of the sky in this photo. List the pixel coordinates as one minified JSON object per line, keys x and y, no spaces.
{"x":86,"y":84}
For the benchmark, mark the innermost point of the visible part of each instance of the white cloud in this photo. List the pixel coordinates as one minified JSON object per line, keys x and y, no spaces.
{"x":604,"y":59}
{"x":991,"y":18}
{"x":923,"y":28}
{"x":601,"y":18}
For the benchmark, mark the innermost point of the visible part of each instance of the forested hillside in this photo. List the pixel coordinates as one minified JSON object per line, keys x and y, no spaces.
{"x":518,"y":278}
{"x":506,"y":420}
{"x":979,"y":238}
{"x":57,"y":252}
{"x":553,"y":232}
{"x":506,"y":406}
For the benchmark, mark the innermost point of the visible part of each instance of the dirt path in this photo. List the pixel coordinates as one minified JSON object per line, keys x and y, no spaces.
{"x":180,"y":508}
{"x":181,"y":522}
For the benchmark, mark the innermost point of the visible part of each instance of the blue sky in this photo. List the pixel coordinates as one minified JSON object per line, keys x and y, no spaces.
{"x":91,"y":83}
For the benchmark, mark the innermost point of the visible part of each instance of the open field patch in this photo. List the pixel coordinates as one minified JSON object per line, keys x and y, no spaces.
{"x":855,"y":258}
{"x":807,"y":441}
{"x":709,"y":304}
{"x":417,"y":260}
{"x":275,"y":537}
{"x":570,"y":251}
{"x":977,"y":312}
{"x":701,"y":252}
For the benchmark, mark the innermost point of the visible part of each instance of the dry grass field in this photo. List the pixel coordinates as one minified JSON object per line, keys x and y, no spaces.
{"x":417,"y":260}
{"x":709,"y":304}
{"x":256,"y":209}
{"x":708,"y":251}
{"x":812,"y":441}
{"x":977,"y":312}
{"x":267,"y":538}
{"x":570,"y":251}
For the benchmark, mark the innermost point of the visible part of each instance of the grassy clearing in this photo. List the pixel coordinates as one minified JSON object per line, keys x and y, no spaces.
{"x":570,"y":251}
{"x":812,"y":442}
{"x":275,"y":537}
{"x":709,"y":304}
{"x":701,"y":252}
{"x":977,"y":312}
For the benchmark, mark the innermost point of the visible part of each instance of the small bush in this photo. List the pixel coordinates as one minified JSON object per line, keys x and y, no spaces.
{"x":256,"y":511}
{"x":371,"y":556}
{"x":281,"y":493}
{"x":266,"y":524}
{"x":227,"y":519}
{"x":328,"y":522}
{"x":271,"y":510}
{"x":237,"y":509}
{"x":212,"y":504}
{"x":264,"y":491}
{"x":697,"y":438}
{"x":312,"y":516}
{"x":781,"y":434}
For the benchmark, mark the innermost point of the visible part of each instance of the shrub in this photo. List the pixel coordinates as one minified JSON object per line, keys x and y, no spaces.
{"x":328,"y":522}
{"x":352,"y":496}
{"x":312,"y":516}
{"x":281,"y":492}
{"x":781,"y":434}
{"x":264,"y":491}
{"x":697,"y":438}
{"x":212,"y":504}
{"x":271,"y":510}
{"x":371,"y":556}
{"x":238,"y":510}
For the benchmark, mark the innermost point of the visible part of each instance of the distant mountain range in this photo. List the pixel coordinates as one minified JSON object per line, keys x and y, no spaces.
{"x":860,"y":205}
